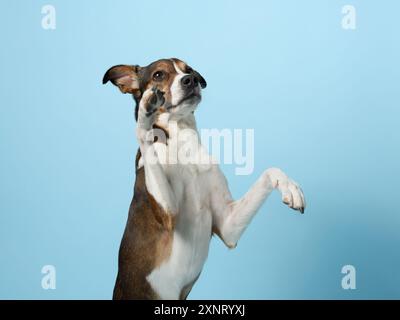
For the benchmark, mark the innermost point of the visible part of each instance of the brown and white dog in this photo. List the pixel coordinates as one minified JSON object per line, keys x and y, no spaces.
{"x":177,"y":207}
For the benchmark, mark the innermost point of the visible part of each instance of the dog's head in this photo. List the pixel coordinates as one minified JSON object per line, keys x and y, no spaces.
{"x":180,"y":83}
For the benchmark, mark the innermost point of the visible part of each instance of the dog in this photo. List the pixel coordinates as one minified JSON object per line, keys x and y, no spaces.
{"x":177,"y":207}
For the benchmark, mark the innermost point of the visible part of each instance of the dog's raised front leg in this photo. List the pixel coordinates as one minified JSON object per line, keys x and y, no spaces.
{"x":230,"y":218}
{"x":156,"y":182}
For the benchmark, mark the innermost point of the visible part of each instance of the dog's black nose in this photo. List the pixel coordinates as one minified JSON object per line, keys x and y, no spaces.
{"x":189,"y":81}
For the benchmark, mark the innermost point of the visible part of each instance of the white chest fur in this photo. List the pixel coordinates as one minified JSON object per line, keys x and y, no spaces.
{"x":189,"y":182}
{"x":189,"y":251}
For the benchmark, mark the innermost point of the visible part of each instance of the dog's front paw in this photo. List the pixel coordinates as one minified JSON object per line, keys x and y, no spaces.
{"x":292,"y":195}
{"x":153,"y":100}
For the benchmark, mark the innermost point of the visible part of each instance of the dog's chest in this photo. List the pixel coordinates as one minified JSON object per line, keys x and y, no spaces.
{"x":187,"y":166}
{"x":191,"y":238}
{"x":192,"y":233}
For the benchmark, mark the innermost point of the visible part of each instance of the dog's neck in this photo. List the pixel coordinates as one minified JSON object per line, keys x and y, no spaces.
{"x":164,"y":120}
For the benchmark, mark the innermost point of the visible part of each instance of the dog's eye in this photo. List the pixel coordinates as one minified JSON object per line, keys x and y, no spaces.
{"x":158,"y":76}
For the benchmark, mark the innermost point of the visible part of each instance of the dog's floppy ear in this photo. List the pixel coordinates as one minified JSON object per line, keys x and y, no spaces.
{"x":125,"y":77}
{"x":200,"y":78}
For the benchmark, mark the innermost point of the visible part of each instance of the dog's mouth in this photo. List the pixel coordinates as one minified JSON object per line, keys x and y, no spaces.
{"x":191,"y":96}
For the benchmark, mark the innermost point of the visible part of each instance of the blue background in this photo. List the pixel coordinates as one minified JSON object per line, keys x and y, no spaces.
{"x":324,"y":103}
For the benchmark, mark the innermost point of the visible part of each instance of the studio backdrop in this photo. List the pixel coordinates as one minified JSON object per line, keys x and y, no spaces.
{"x":311,"y":87}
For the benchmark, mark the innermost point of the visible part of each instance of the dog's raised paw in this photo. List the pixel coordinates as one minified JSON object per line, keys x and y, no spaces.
{"x":293,"y":196}
{"x":155,"y":101}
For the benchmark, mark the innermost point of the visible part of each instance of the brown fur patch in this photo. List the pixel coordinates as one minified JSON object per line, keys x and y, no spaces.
{"x":146,"y":243}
